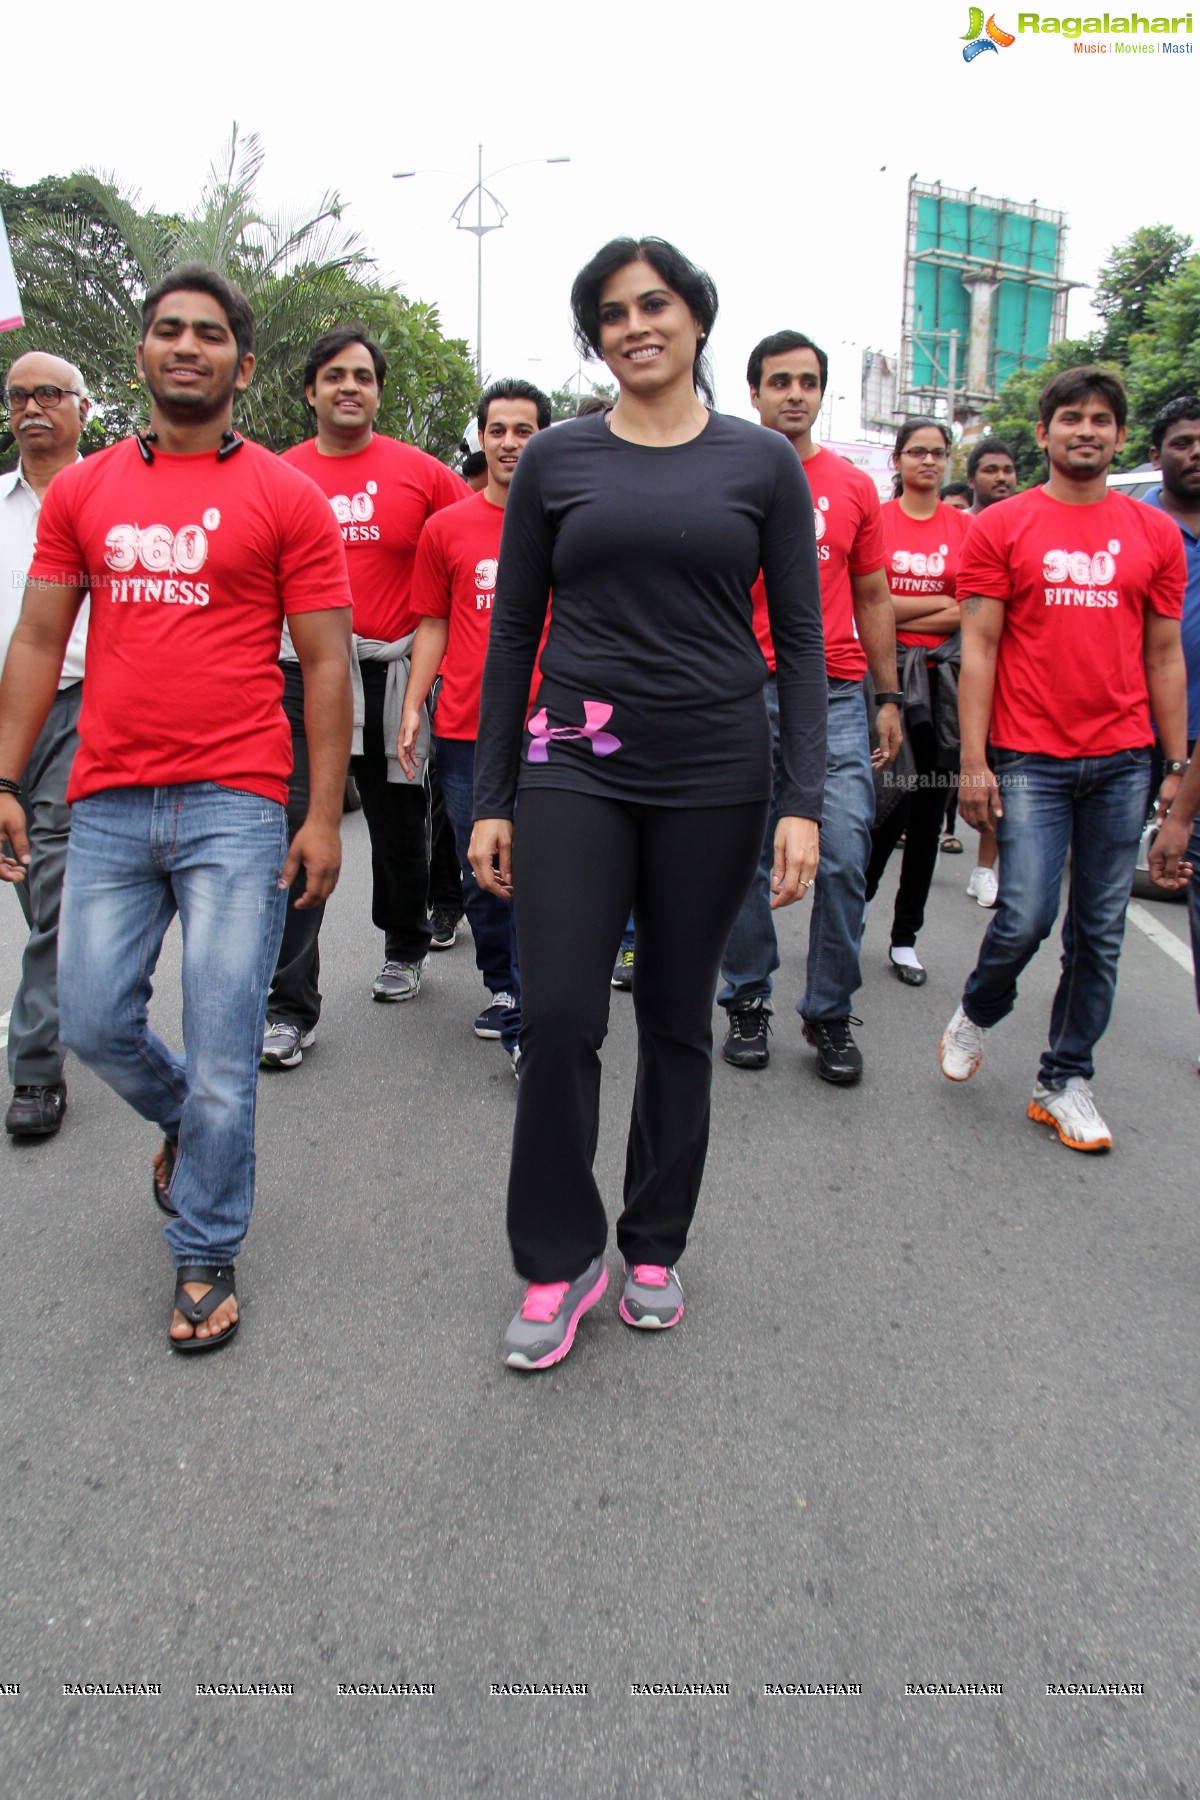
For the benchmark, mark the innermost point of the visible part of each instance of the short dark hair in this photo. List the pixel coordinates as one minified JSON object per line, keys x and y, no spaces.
{"x":1071,"y":386}
{"x":1186,"y":407}
{"x":988,"y":446}
{"x":198,"y":278}
{"x":778,"y":344}
{"x":916,"y":423}
{"x":694,"y":286}
{"x":962,"y":488}
{"x":592,"y":403}
{"x":331,"y":343}
{"x":474,"y":463}
{"x":511,"y":387}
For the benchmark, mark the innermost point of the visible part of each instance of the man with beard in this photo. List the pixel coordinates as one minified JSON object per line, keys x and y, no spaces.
{"x":194,"y":545}
{"x":1175,"y":449}
{"x":992,"y":473}
{"x":1071,"y":598}
{"x":47,"y":404}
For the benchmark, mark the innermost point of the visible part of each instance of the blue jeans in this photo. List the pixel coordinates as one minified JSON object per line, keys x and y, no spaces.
{"x":835,"y":929}
{"x":490,"y":918}
{"x":1095,"y":807}
{"x":138,"y":856}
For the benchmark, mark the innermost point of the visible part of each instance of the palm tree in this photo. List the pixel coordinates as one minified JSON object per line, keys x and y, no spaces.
{"x":86,"y":253}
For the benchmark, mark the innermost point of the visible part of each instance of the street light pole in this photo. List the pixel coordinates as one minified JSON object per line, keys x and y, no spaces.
{"x":479,"y":230}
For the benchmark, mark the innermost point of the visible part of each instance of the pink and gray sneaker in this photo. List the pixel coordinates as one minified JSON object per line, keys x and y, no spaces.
{"x":543,"y":1331}
{"x":653,"y":1298}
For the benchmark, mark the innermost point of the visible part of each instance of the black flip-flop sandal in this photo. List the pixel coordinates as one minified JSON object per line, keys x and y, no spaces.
{"x":162,"y":1195}
{"x":197,"y":1311}
{"x":951,"y":846}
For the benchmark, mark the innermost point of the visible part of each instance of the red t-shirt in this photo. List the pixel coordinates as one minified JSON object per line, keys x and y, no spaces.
{"x":1076,"y":582}
{"x":455,"y":579}
{"x":849,"y":542}
{"x":192,"y":564}
{"x":381,"y":497}
{"x":922,"y":558}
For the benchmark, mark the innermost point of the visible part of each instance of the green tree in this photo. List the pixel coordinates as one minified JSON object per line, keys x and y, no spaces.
{"x":86,"y":252}
{"x":1013,"y":414}
{"x":1164,"y":359}
{"x":564,"y":401}
{"x":1132,"y":276}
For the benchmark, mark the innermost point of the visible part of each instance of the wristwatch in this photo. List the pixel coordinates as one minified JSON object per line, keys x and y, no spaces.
{"x":889,"y":699}
{"x":1174,"y":768}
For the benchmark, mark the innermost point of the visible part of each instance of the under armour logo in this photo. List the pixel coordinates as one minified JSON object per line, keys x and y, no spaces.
{"x":596,"y":714}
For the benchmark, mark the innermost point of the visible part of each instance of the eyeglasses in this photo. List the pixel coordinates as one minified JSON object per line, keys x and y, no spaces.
{"x":47,"y":397}
{"x":921,"y":455}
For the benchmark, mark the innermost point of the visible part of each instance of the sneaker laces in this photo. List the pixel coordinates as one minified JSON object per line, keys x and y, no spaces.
{"x":542,"y":1301}
{"x":1082,"y":1102}
{"x":391,"y":968}
{"x":651,"y":1275}
{"x":966,"y":1034}
{"x":625,"y":960}
{"x":834,"y":1033}
{"x":756,"y":1018}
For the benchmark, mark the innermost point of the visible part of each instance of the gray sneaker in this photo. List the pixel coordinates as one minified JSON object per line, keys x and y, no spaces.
{"x":543,"y":1330}
{"x":398,"y":980}
{"x":284,"y":1045}
{"x":653,"y":1298}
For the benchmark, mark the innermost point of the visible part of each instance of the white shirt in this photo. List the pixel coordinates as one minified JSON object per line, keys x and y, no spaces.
{"x":19,"y":508}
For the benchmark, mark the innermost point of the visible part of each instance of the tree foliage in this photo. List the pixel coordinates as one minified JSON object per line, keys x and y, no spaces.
{"x":564,"y":401}
{"x":1148,"y":294}
{"x":86,"y":251}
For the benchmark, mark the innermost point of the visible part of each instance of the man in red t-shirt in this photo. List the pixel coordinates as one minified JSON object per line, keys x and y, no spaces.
{"x":381,"y":492}
{"x":1071,"y":600}
{"x":453,"y":587}
{"x":787,"y":374}
{"x":193,"y":545}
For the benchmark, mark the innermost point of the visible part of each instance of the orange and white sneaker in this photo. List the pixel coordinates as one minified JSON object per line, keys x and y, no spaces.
{"x":1071,"y":1110}
{"x":960,"y":1051}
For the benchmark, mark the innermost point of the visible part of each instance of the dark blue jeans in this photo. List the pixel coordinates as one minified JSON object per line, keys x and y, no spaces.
{"x":490,"y":918}
{"x":1095,"y":807}
{"x":835,"y":929}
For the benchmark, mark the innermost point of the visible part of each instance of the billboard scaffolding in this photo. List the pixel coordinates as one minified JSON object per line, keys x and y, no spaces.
{"x":984,"y":296}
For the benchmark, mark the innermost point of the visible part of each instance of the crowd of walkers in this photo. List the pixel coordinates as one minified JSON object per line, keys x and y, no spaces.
{"x":651,"y":676}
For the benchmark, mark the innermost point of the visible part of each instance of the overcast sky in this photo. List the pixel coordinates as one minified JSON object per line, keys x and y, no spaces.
{"x":772,"y":143}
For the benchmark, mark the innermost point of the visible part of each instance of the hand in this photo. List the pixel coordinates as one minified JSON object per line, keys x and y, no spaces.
{"x":979,"y":801}
{"x":12,"y":827}
{"x":1168,"y":791}
{"x":410,"y":725}
{"x":887,"y":724}
{"x":1166,"y":868}
{"x":490,"y":856}
{"x":319,"y":848}
{"x":797,"y":853}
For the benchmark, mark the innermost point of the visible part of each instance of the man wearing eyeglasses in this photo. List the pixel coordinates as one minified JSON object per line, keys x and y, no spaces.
{"x":47,"y":405}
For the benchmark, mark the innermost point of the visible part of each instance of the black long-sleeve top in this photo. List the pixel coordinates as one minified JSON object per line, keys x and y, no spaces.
{"x":651,"y":673}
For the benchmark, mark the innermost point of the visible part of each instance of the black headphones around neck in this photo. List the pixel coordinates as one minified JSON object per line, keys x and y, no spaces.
{"x":230,"y":442}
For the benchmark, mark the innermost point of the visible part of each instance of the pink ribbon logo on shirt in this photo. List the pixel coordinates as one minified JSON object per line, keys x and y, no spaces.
{"x":596,"y":715}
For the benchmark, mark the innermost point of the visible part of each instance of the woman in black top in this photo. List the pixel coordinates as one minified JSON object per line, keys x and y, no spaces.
{"x":644,"y":771}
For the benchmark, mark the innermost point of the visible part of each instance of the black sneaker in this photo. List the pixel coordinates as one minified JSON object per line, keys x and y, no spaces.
{"x":745,"y":1043}
{"x":444,"y":926}
{"x":839,"y":1058}
{"x":36,"y":1111}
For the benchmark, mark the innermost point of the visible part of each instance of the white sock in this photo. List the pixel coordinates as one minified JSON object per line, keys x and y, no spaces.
{"x":906,"y":956}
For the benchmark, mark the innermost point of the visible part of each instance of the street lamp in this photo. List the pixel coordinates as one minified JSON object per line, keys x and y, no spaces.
{"x":478,"y":229}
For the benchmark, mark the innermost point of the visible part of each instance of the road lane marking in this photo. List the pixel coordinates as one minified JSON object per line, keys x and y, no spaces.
{"x":1158,"y":934}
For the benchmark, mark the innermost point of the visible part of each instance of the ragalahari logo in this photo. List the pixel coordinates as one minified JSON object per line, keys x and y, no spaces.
{"x":975,"y":42}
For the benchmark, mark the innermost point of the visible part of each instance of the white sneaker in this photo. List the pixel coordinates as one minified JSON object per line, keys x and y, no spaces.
{"x":961,"y":1049}
{"x":984,"y":887}
{"x":1071,"y":1110}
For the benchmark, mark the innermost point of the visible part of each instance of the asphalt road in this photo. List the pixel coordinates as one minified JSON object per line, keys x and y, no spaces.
{"x":930,"y":1419}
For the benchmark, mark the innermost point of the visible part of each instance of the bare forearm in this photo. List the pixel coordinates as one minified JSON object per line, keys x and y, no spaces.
{"x":328,"y":724}
{"x":429,"y":647}
{"x":31,"y":676}
{"x":876,"y":624}
{"x":976,"y":685}
{"x":1166,"y":684}
{"x":941,"y":619}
